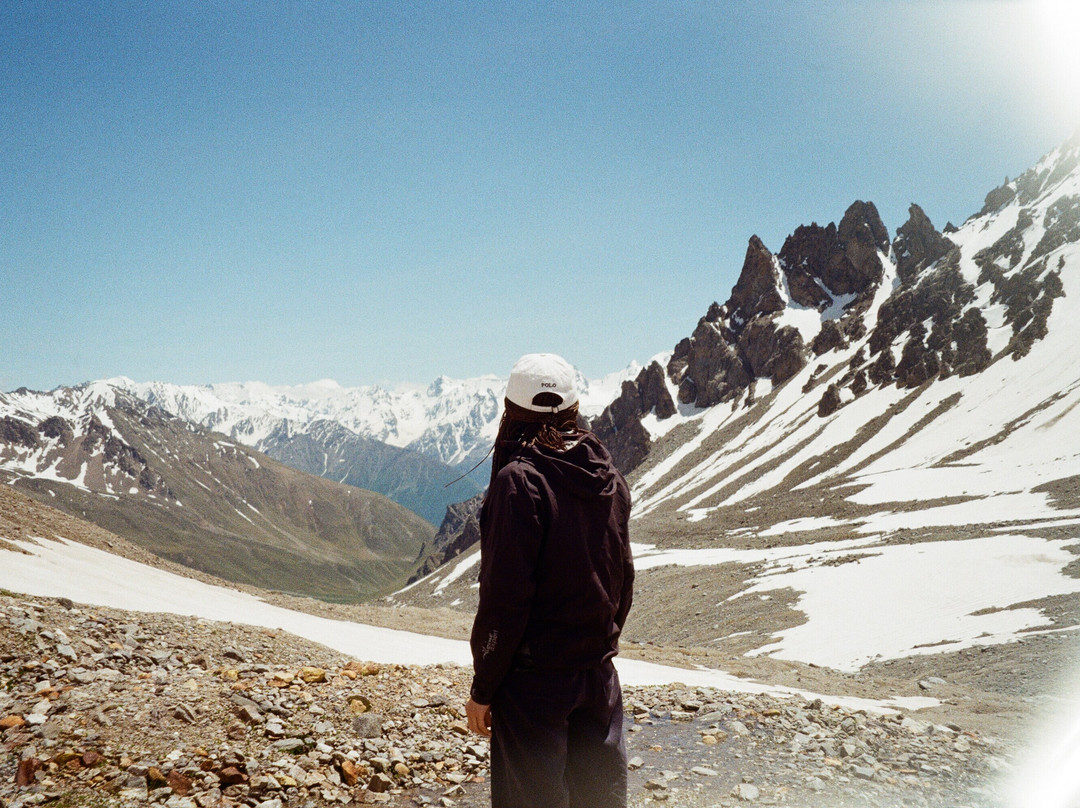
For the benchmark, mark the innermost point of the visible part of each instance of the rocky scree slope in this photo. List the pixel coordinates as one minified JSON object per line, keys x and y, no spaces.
{"x":193,"y":497}
{"x":105,"y":707}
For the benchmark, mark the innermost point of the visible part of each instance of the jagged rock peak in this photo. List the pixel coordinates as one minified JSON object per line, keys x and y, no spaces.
{"x":918,"y":244}
{"x":619,"y":425}
{"x":821,"y":262}
{"x":863,"y":235}
{"x":758,"y":289}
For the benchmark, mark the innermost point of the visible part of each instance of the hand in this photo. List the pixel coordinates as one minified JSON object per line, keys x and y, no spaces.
{"x":479,"y":718}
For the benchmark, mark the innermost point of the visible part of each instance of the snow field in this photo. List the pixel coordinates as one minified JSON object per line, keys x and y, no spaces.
{"x":59,"y":568}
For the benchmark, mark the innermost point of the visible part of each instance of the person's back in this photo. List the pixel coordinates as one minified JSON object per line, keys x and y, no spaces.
{"x":555,"y":588}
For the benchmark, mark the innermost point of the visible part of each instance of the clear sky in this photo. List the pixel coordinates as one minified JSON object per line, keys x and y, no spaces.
{"x":390,"y":191}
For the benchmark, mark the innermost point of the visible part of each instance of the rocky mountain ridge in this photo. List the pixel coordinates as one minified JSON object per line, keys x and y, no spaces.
{"x":927,"y":303}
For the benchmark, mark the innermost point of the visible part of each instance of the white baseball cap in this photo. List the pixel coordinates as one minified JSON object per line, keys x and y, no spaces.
{"x":538,"y":373}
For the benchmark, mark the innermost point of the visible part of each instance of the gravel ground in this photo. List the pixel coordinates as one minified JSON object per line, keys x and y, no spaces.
{"x":104,"y":707}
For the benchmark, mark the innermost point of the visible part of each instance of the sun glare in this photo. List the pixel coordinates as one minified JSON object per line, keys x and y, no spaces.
{"x":1051,"y":776}
{"x":1059,"y":24}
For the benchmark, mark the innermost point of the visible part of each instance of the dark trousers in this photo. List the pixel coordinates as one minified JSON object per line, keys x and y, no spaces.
{"x":556,"y":740}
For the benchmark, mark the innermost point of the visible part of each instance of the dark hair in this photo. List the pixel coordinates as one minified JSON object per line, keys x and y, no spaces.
{"x":521,"y":427}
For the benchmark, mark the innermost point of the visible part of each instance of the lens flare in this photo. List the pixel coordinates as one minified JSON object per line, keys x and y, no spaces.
{"x":1050,"y":777}
{"x":1059,"y":32}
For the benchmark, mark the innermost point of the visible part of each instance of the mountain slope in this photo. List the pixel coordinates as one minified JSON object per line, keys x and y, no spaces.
{"x":868,"y":453}
{"x":193,"y":497}
{"x":959,"y":380}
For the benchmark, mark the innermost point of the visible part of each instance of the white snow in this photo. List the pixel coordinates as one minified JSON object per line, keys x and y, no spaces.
{"x":459,"y":570}
{"x":927,"y":598}
{"x":87,"y":575}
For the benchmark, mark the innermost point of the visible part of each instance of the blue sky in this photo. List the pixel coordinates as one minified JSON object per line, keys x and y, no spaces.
{"x":383,"y":192}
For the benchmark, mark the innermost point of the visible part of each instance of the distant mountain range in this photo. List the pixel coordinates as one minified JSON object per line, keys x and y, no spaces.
{"x":188,"y":472}
{"x":192,"y":496}
{"x":407,"y":443}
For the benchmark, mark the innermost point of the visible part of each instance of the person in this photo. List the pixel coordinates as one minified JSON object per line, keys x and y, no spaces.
{"x":556,"y":584}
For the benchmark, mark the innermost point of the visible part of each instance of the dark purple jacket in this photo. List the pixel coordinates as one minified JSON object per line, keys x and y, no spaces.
{"x":556,"y":574}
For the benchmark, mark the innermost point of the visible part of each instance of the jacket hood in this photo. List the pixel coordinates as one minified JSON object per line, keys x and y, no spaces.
{"x":583,"y":468}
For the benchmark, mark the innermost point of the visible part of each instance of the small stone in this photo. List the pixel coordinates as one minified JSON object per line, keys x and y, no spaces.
{"x":864,"y":772}
{"x":91,"y":758}
{"x":179,"y":783}
{"x":704,"y":771}
{"x":350,"y":774}
{"x":295,"y":745}
{"x":362,"y":668}
{"x":709,"y":740}
{"x":11,"y":722}
{"x":746,"y":792}
{"x":368,"y":725}
{"x":738,"y":727}
{"x":310,"y":675}
{"x":358,"y":705}
{"x":231,"y":776}
{"x":155,"y":778}
{"x":635,"y":763}
{"x":379,"y":783}
{"x":41,"y":708}
{"x":24,"y":775}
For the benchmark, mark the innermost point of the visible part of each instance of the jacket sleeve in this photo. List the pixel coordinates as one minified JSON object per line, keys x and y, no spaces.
{"x":511,"y":533}
{"x":626,"y":597}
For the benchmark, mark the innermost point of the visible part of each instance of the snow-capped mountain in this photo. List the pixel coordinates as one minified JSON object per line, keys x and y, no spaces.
{"x":451,"y":420}
{"x":939,"y":363}
{"x":869,"y":452}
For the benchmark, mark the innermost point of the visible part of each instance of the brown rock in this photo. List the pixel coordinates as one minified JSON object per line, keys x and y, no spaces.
{"x":311,"y":675}
{"x":155,"y":778}
{"x":350,"y":774}
{"x":359,"y":704}
{"x":362,"y":668}
{"x":917,"y":245}
{"x":179,"y":783}
{"x":379,"y":783}
{"x":91,"y":758}
{"x":774,"y":353}
{"x":24,"y":775}
{"x":829,"y":338}
{"x":232,"y":776}
{"x":758,"y":289}
{"x":11,"y":722}
{"x":830,"y":401}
